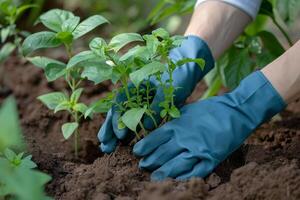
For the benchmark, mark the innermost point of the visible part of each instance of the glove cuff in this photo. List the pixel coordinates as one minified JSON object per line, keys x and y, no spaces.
{"x":258,"y":99}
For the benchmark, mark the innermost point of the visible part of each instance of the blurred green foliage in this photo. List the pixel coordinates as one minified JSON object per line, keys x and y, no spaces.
{"x":18,"y":179}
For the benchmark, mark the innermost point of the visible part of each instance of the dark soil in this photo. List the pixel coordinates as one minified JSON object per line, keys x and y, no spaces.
{"x":267,"y":166}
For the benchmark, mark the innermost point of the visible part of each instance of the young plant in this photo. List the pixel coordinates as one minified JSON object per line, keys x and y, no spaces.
{"x":18,"y":178}
{"x":133,"y":74}
{"x":11,"y":36}
{"x":65,"y":28}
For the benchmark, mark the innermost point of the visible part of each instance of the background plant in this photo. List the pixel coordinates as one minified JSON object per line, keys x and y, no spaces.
{"x":18,"y":179}
{"x":255,"y":48}
{"x":65,"y":28}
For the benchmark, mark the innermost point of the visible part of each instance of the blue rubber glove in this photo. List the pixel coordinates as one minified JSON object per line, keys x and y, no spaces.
{"x":185,"y":78}
{"x":208,"y":131}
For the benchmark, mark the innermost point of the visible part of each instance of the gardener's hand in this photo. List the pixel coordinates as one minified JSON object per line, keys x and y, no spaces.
{"x":208,"y":131}
{"x":185,"y":79}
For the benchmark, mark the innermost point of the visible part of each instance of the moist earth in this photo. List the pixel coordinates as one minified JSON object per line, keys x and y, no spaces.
{"x":267,"y":166}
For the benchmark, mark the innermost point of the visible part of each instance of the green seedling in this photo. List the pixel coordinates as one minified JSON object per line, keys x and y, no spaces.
{"x":18,"y":177}
{"x":132,"y":73}
{"x":11,"y":36}
{"x":65,"y":28}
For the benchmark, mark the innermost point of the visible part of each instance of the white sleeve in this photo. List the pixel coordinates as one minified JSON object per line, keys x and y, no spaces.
{"x":251,"y":7}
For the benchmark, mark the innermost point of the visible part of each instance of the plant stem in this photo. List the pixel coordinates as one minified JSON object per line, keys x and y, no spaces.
{"x":285,"y":34}
{"x":143,"y":128}
{"x":76,"y":136}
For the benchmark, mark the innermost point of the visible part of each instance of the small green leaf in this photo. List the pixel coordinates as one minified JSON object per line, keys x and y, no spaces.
{"x":199,"y":61}
{"x":5,"y":32}
{"x":97,"y":72}
{"x":121,"y":40}
{"x":65,"y":105}
{"x":80,"y":107}
{"x":6,"y":50}
{"x":88,"y":25}
{"x":42,"y":62}
{"x":28,"y":163}
{"x":121,"y":125}
{"x":76,"y":95}
{"x":68,"y":129}
{"x":54,"y":19}
{"x":9,"y":154}
{"x":70,"y":24}
{"x":174,"y":112}
{"x":163,"y":113}
{"x":52,"y":100}
{"x":132,"y":117}
{"x":10,"y":131}
{"x":150,"y":69}
{"x":54,"y":71}
{"x":85,"y":56}
{"x":98,"y":45}
{"x":161,"y":33}
{"x":136,"y":52}
{"x":40,"y":40}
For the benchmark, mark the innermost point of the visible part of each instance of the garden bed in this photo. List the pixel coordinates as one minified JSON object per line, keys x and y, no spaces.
{"x":266,"y":167}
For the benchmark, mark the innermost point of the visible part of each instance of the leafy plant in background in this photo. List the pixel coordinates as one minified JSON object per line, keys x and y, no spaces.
{"x":18,"y":179}
{"x":65,"y":28}
{"x":132,"y":73}
{"x":11,"y":36}
{"x":254,"y":49}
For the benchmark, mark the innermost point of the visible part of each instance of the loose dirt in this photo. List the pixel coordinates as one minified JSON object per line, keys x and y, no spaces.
{"x":267,"y":166}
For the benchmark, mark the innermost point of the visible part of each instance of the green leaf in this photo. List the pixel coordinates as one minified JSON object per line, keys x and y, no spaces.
{"x":80,"y":107}
{"x":9,"y":154}
{"x":70,"y":24}
{"x":97,"y":72}
{"x":199,"y":61}
{"x":52,"y":100}
{"x":163,"y":113}
{"x":238,"y":67}
{"x":161,"y":33}
{"x":10,"y":131}
{"x":100,"y":106}
{"x":54,"y":69}
{"x":132,"y":117}
{"x":42,"y":62}
{"x":213,"y":88}
{"x":6,"y":50}
{"x":54,"y":19}
{"x":121,"y":40}
{"x":88,"y":25}
{"x":150,"y":69}
{"x":65,"y":105}
{"x":68,"y":129}
{"x":98,"y":46}
{"x":5,"y":32}
{"x":28,"y":163}
{"x":81,"y":58}
{"x":152,"y":43}
{"x":174,"y":112}
{"x":76,"y":95}
{"x":271,"y":43}
{"x":40,"y":40}
{"x":136,"y":52}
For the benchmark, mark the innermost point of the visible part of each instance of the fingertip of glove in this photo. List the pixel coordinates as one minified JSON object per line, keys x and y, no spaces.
{"x":109,"y":147}
{"x":120,"y":133}
{"x":137,"y":149}
{"x":157,"y":176}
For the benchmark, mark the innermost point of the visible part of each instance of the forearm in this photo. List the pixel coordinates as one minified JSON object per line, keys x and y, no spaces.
{"x":219,"y":24}
{"x":284,"y":73}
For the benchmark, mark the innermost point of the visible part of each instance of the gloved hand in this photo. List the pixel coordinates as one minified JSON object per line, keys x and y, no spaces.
{"x":208,"y":130}
{"x":185,"y":79}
